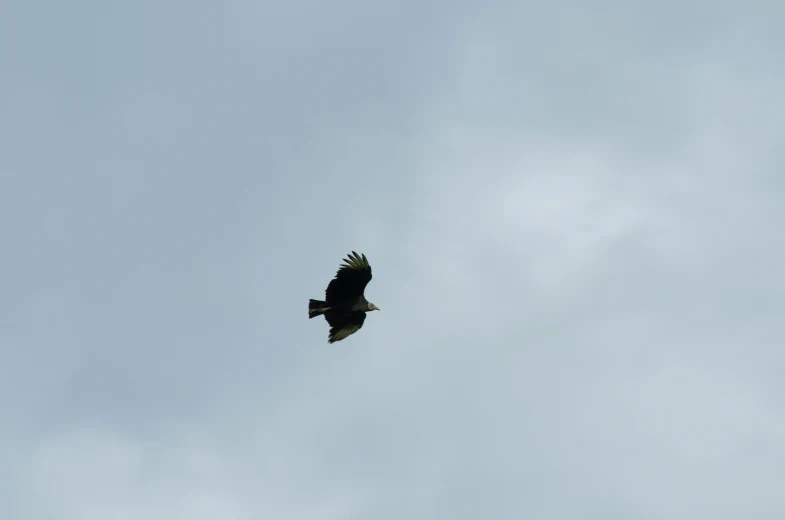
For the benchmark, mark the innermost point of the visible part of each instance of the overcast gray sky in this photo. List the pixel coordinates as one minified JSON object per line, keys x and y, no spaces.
{"x":574,"y":215}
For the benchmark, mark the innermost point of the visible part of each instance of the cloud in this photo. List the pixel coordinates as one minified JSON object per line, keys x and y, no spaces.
{"x":92,"y":473}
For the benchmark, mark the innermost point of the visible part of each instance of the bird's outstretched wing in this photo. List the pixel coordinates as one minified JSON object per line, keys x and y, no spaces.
{"x":344,"y":325}
{"x":350,"y":280}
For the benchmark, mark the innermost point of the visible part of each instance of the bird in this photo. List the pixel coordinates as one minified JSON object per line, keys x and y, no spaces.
{"x":345,"y":306}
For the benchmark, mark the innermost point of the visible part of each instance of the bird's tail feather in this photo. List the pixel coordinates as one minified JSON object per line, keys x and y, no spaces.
{"x":317,"y":308}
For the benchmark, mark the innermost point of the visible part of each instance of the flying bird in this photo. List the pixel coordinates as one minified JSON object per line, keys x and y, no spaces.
{"x":345,"y":305}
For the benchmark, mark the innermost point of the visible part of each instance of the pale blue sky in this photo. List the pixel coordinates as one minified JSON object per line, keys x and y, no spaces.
{"x":574,"y":214}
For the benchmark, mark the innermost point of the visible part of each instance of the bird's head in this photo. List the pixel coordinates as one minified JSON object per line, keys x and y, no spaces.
{"x":372,"y":307}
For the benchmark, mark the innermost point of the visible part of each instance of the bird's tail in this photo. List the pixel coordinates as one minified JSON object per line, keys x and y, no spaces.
{"x":317,"y":308}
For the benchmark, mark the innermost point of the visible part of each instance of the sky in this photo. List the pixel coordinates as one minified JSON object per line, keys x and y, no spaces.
{"x":573,"y":213}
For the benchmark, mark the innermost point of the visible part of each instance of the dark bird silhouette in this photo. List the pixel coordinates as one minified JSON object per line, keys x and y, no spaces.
{"x":345,"y":305}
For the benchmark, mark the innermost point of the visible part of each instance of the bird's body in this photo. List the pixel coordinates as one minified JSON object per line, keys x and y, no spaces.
{"x":344,"y":306}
